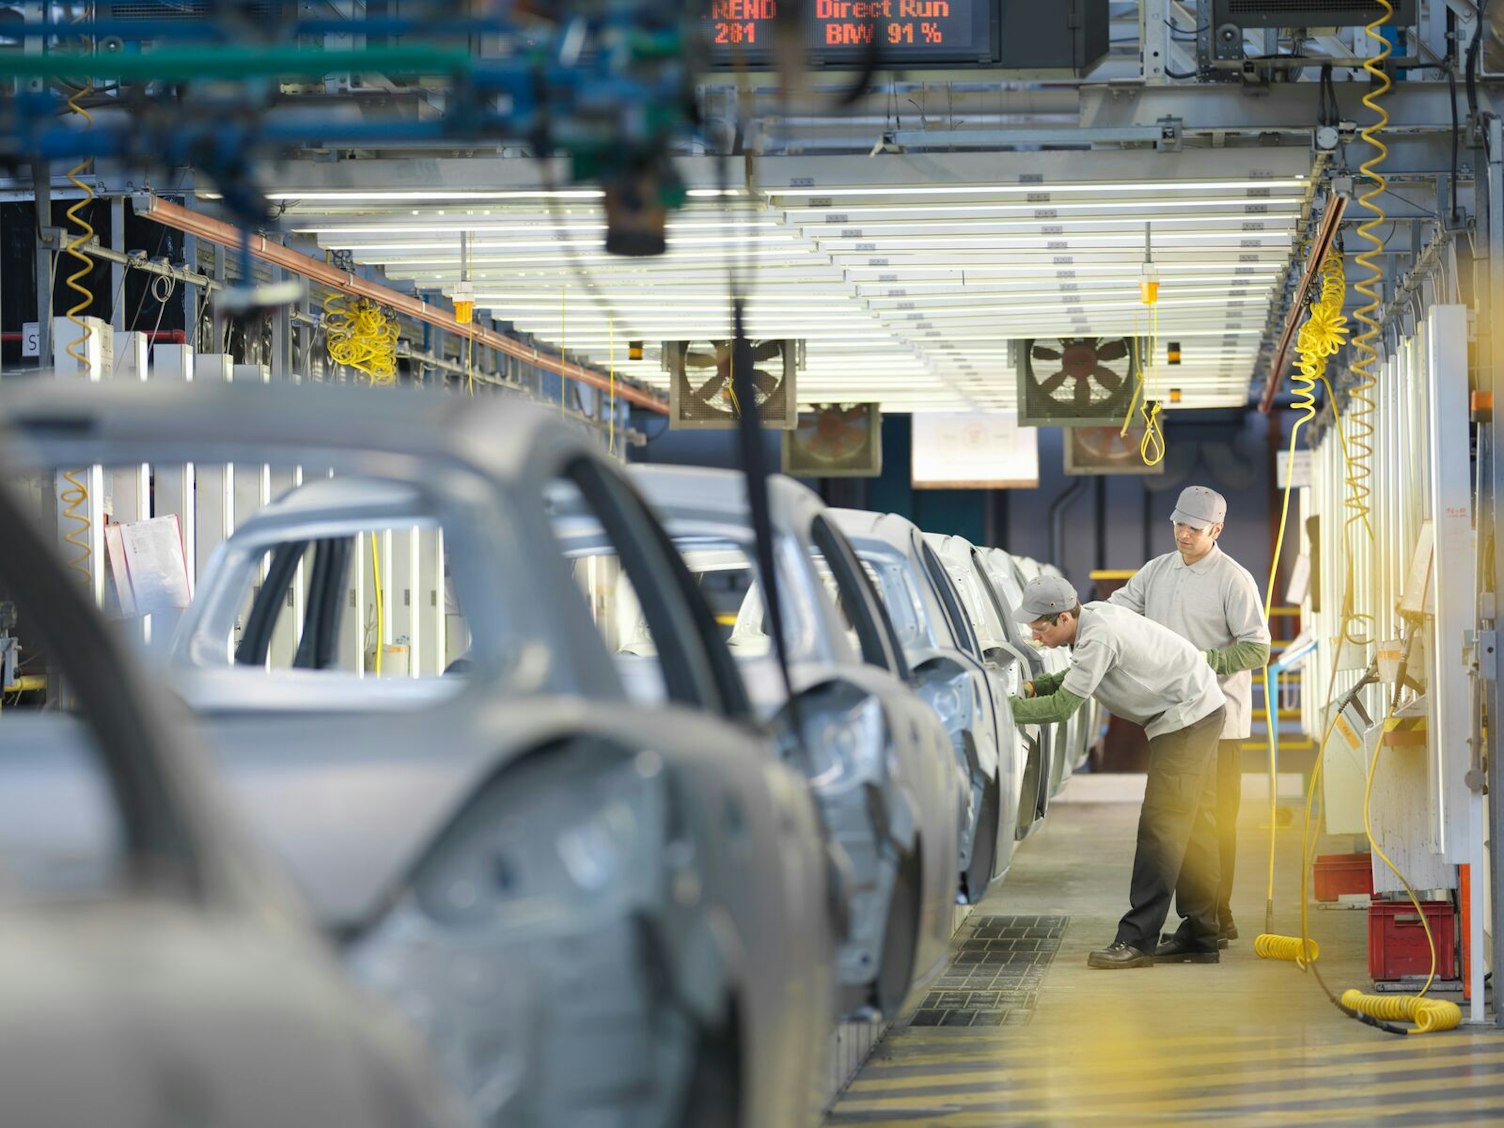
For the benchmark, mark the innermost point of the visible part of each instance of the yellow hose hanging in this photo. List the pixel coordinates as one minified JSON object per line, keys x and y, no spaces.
{"x":1361,"y":407}
{"x":1322,"y":335}
{"x":1151,"y":448}
{"x":376,"y":587}
{"x":360,"y":335}
{"x":74,"y":498}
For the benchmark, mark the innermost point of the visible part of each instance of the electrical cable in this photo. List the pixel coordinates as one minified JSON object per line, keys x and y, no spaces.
{"x":1456,"y":136}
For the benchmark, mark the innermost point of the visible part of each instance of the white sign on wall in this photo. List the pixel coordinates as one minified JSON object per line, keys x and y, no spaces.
{"x":974,"y":450}
{"x":1298,"y":467}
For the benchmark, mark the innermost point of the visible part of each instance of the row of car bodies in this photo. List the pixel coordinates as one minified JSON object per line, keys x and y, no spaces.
{"x":599,"y":830}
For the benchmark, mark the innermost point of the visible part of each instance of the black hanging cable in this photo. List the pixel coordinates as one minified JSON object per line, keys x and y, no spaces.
{"x":1470,"y":69}
{"x":1456,"y":134}
{"x":755,"y":467}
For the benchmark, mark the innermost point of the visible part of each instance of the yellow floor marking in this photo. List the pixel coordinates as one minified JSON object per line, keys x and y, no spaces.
{"x":1079,"y":1088}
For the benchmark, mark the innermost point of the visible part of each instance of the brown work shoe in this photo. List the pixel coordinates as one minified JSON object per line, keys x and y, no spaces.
{"x":1118,"y":954}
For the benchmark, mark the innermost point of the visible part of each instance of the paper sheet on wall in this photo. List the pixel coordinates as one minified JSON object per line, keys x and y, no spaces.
{"x":155,"y":565}
{"x":974,"y":450}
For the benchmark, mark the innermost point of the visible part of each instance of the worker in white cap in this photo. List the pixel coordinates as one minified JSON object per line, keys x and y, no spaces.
{"x":1209,"y":599}
{"x":1148,"y":674}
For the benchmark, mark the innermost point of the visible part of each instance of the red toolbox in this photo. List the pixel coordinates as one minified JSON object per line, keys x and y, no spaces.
{"x":1337,"y":874}
{"x":1397,"y":943}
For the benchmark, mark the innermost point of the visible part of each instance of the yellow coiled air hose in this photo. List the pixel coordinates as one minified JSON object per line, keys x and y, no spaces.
{"x":1429,"y":1015}
{"x":360,"y":335}
{"x":74,"y":498}
{"x":1322,"y":335}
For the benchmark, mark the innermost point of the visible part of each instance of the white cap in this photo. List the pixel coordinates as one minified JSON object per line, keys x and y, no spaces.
{"x":1046,"y":595}
{"x":1200,"y":508}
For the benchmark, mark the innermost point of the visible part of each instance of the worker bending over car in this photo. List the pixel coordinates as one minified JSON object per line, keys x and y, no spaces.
{"x":1145,"y":673}
{"x":1212,"y":601}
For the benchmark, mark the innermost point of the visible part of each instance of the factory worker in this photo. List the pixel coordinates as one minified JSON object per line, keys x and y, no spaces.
{"x":1146,"y":673}
{"x":1209,"y":599}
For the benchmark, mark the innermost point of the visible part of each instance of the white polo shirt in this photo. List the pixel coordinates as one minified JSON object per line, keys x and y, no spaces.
{"x":1140,"y":670}
{"x":1213,"y":603}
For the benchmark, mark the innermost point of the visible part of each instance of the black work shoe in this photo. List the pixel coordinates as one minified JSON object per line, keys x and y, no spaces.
{"x":1118,"y":954}
{"x":1229,"y":931}
{"x":1179,"y":950}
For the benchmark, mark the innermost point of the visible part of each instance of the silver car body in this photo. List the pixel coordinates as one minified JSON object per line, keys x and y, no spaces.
{"x":592,"y":909}
{"x":1047,"y":743}
{"x":1006,"y":654}
{"x":879,"y":760}
{"x":1057,"y":660}
{"x":1088,"y":719}
{"x":968,"y":690}
{"x":155,"y":968}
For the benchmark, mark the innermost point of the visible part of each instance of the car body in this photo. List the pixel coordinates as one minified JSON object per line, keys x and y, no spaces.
{"x":156,"y":968}
{"x":1057,"y":660}
{"x":1009,"y":655}
{"x":877,"y":757}
{"x":540,"y":872}
{"x":1088,"y":719}
{"x":968,"y":691}
{"x":1046,"y":744}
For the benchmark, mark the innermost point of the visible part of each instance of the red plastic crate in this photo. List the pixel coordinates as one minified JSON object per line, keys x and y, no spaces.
{"x":1337,"y":874}
{"x":1397,"y":943}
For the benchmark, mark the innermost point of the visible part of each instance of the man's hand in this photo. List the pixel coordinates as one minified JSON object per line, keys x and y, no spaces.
{"x":1028,"y":690}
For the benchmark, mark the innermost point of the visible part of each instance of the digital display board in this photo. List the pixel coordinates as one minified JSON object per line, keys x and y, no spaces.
{"x":846,"y":32}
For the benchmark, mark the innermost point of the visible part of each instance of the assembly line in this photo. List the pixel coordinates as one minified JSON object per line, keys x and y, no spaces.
{"x":750,"y":564}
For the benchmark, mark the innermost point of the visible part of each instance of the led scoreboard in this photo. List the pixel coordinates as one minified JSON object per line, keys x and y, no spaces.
{"x":848,"y":32}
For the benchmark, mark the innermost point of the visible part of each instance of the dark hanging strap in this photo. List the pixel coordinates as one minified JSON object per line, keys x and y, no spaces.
{"x":755,"y":467}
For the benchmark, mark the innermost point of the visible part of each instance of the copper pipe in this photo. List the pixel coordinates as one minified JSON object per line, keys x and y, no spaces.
{"x":1326,"y":234}
{"x":217,"y":231}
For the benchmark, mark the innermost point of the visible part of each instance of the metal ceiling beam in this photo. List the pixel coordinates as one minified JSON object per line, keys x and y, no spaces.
{"x":1291,"y":107}
{"x":223,"y":234}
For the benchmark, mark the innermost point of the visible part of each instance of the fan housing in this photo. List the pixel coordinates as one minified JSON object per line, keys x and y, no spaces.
{"x":700,"y":384}
{"x":1076,"y":381}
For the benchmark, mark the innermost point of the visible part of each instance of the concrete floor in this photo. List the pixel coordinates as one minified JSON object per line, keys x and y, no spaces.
{"x":1245,"y":1041}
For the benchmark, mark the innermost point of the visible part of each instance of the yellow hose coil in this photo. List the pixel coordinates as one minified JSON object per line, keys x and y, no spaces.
{"x":1320,"y":338}
{"x":1428,"y":1015}
{"x":1361,"y":405}
{"x":1268,"y":947}
{"x":75,"y":497}
{"x":360,"y":335}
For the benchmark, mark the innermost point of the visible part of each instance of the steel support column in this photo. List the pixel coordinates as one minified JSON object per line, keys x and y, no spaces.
{"x":1491,"y":377}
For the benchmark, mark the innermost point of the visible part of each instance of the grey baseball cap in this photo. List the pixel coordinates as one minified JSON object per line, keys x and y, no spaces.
{"x":1045,"y":595}
{"x":1200,"y":508}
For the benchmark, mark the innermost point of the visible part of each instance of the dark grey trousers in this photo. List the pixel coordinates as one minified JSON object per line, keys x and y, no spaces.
{"x":1229,"y":799}
{"x":1174,"y":826}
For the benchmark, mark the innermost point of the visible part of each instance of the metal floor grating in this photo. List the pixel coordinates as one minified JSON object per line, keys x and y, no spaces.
{"x":993,"y":979}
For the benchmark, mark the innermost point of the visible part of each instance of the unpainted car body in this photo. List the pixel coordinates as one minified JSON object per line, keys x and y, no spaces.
{"x":876,"y":756}
{"x":1046,"y":744}
{"x":1088,"y":718}
{"x":155,"y":968}
{"x":598,"y":913}
{"x":968,"y":691}
{"x":1057,"y":660}
{"x":1008,"y":657}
